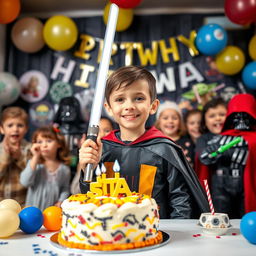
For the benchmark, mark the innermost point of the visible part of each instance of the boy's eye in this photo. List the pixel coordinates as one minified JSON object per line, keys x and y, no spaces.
{"x":119,"y":99}
{"x":139,"y":98}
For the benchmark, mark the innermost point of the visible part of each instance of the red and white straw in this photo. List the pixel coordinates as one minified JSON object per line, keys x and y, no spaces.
{"x":209,"y":196}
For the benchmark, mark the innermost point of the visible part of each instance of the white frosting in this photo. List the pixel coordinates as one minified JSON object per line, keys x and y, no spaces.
{"x":91,"y":224}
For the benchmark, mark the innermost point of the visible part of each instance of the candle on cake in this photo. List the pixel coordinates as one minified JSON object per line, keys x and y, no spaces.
{"x":103,"y":171}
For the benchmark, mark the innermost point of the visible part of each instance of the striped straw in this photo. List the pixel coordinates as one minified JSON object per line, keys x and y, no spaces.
{"x":209,"y":196}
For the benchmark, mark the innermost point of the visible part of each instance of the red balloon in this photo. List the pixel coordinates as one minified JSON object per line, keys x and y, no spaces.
{"x":241,"y":12}
{"x":9,"y":10}
{"x":128,"y":4}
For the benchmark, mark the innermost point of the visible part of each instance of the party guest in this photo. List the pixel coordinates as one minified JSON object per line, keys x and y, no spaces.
{"x":47,"y":174}
{"x":14,"y":151}
{"x":170,"y":122}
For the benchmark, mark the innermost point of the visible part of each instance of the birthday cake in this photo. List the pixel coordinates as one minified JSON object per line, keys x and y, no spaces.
{"x":109,"y":217}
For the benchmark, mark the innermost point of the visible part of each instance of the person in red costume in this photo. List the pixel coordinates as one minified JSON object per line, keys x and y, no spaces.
{"x":231,"y":173}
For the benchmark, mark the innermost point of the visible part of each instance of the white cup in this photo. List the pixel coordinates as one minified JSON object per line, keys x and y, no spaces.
{"x":214,"y":224}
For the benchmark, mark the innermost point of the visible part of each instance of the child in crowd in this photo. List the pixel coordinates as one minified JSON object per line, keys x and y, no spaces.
{"x":105,"y":127}
{"x":151,"y":163}
{"x":169,"y":120}
{"x":47,"y":175}
{"x":213,"y":118}
{"x":192,"y":120}
{"x":14,"y":151}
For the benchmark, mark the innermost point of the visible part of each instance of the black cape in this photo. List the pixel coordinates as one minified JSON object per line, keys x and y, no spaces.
{"x":154,"y":165}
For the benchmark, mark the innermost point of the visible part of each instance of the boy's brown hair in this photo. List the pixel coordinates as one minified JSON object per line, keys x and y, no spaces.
{"x":125,"y":76}
{"x":52,"y":133}
{"x":14,"y":112}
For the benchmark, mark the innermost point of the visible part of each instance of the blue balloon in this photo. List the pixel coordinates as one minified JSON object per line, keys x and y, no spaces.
{"x":211,"y":39}
{"x":249,"y":75}
{"x":31,"y":219}
{"x":248,"y":227}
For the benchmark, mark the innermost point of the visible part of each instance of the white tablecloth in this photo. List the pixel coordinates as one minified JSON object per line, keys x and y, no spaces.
{"x":187,"y":239}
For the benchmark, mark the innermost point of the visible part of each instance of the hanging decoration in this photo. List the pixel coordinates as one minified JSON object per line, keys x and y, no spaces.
{"x":27,"y":35}
{"x":60,"y":33}
{"x":211,"y":39}
{"x":241,"y":12}
{"x":249,"y":75}
{"x":231,"y":60}
{"x":252,"y":47}
{"x":9,"y":10}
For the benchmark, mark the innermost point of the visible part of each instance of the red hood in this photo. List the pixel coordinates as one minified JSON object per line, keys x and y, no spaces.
{"x":151,"y":133}
{"x":240,"y":103}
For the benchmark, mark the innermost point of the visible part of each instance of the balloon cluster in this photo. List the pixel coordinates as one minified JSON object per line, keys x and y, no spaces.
{"x":59,"y":32}
{"x":211,"y":39}
{"x":30,"y":35}
{"x":243,"y":12}
{"x":29,"y":219}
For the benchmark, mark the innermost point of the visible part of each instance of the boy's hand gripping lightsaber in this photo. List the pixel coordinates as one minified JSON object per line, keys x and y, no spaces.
{"x":98,"y":100}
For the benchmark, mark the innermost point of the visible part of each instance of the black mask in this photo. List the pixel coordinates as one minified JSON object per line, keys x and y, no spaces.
{"x":68,"y":114}
{"x":242,"y":121}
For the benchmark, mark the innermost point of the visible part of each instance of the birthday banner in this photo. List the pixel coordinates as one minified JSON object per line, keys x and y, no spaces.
{"x":164,"y":44}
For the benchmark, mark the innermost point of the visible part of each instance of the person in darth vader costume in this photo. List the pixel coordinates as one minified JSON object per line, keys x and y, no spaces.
{"x":232,"y":175}
{"x":70,"y":123}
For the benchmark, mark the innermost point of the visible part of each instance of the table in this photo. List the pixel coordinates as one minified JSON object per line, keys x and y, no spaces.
{"x":186,"y":239}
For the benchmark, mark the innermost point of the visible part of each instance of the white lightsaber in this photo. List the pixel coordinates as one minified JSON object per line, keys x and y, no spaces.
{"x":98,"y":100}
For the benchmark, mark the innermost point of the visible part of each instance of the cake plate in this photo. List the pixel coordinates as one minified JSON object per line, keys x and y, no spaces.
{"x":54,"y":242}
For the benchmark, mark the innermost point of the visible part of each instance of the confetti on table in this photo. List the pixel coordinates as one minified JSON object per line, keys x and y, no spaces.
{"x":42,"y":236}
{"x":38,"y":251}
{"x":3,"y":243}
{"x":196,"y":235}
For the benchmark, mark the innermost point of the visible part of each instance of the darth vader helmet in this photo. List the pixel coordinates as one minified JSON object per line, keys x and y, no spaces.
{"x":242,"y":121}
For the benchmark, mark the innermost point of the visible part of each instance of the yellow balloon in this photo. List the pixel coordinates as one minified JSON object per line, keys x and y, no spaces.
{"x":230,"y":61}
{"x":252,"y":47}
{"x":10,"y":204}
{"x":9,"y":222}
{"x":125,"y":17}
{"x":60,"y":33}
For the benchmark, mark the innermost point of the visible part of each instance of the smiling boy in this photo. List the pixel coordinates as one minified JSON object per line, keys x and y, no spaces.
{"x":149,"y":161}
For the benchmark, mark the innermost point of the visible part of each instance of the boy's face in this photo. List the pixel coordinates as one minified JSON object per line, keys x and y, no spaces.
{"x":14,"y":130}
{"x":215,"y":118}
{"x":131,"y":106}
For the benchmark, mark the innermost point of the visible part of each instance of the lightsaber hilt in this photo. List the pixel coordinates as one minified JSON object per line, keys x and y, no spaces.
{"x":92,"y":134}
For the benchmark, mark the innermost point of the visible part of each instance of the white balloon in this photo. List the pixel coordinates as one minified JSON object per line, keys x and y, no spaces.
{"x":9,"y":222}
{"x":10,"y":204}
{"x":9,"y":88}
